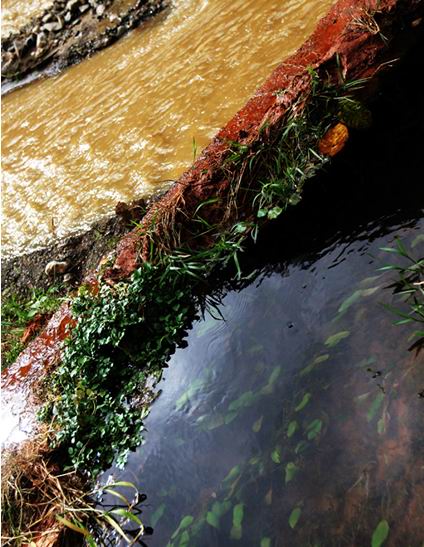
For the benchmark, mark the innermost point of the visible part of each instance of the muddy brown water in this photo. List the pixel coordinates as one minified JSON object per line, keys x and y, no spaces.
{"x":129,"y":120}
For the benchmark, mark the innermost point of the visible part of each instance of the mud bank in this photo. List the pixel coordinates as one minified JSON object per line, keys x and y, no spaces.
{"x":66,"y":33}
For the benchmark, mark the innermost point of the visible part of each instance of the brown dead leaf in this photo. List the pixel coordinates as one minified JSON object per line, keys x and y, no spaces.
{"x":334,"y":140}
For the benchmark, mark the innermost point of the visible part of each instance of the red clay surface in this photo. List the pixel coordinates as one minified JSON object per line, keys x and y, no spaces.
{"x":346,"y":40}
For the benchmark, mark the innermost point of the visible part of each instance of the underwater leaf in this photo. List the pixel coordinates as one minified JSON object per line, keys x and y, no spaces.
{"x":375,"y":405}
{"x":208,"y":422}
{"x":381,"y":426}
{"x":268,"y":497}
{"x":345,"y":305}
{"x":294,"y":517}
{"x":186,"y":396}
{"x":274,"y":375}
{"x":228,"y":418}
{"x":185,"y":538}
{"x":291,"y":430}
{"x":212,"y":519}
{"x":291,"y":470}
{"x":314,"y":429}
{"x":256,"y":427}
{"x":185,"y":523}
{"x":316,"y":361}
{"x":274,"y":213}
{"x":244,"y":400}
{"x":157,"y":515}
{"x":265,"y":542}
{"x":234,"y":473}
{"x":380,"y":533}
{"x":305,"y":400}
{"x":334,"y":339}
{"x":276,"y":456}
{"x":238,"y":513}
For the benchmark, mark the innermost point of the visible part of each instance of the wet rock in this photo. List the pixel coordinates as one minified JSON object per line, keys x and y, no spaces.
{"x":55,"y":267}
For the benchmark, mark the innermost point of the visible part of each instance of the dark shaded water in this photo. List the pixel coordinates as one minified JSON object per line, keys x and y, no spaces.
{"x":297,"y":419}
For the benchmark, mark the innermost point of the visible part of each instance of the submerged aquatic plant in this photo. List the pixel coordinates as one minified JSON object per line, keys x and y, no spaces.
{"x":408,"y":289}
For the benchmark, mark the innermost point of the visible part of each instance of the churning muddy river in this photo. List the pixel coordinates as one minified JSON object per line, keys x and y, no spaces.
{"x":129,"y":120}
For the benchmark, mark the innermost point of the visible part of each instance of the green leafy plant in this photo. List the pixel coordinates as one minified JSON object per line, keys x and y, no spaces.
{"x":408,"y":289}
{"x":17,"y":312}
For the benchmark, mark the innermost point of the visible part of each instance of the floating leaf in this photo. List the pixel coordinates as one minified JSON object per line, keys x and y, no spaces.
{"x":157,"y":515}
{"x":294,"y":517}
{"x":334,"y":339}
{"x":375,"y":405}
{"x":380,"y":533}
{"x":305,"y":400}
{"x":256,"y":427}
{"x":276,"y":456}
{"x":265,"y":542}
{"x":291,"y":470}
{"x":291,"y":430}
{"x":314,"y":429}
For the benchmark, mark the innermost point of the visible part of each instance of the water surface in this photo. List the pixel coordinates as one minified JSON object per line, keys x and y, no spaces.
{"x":297,"y":421}
{"x":122,"y":124}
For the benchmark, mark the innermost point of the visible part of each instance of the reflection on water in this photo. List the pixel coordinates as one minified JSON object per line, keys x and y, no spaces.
{"x":119,"y":124}
{"x":297,"y":420}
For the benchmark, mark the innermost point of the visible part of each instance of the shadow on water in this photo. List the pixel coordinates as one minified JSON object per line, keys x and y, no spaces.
{"x":297,"y":420}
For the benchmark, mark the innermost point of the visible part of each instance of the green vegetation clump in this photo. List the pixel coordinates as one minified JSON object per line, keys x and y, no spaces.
{"x":17,"y":312}
{"x":408,"y":289}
